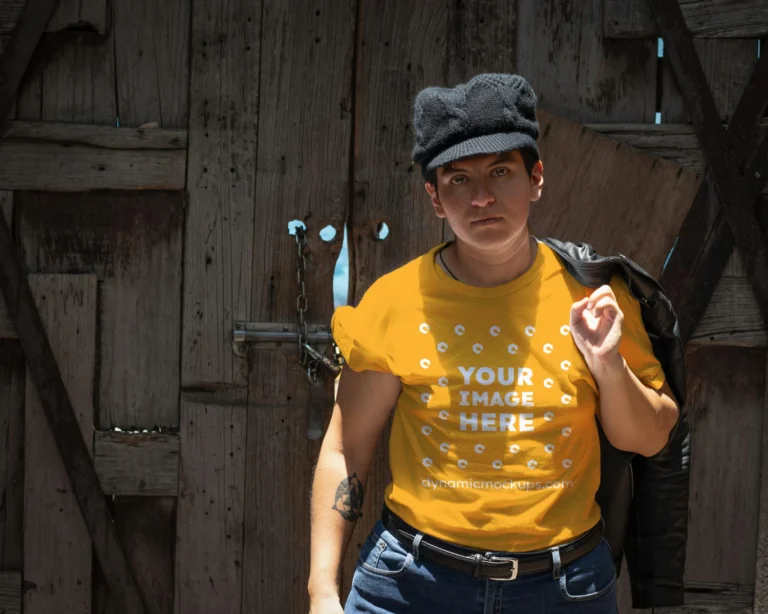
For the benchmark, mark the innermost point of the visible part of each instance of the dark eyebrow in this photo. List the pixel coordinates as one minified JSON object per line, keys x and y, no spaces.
{"x":503,"y":157}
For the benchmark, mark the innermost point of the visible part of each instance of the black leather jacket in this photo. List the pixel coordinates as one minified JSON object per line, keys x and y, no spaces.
{"x":644,"y":500}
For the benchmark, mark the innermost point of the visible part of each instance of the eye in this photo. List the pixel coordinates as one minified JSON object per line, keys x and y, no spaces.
{"x":453,"y":180}
{"x":501,"y":168}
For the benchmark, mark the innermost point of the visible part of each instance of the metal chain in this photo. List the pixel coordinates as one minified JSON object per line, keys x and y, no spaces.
{"x":301,"y":306}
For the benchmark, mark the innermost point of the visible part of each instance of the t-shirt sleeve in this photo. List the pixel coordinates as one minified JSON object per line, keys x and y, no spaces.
{"x":361,"y":332}
{"x":635,"y":345}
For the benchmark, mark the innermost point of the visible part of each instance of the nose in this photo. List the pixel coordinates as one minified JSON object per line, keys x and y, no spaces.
{"x":483,"y":197}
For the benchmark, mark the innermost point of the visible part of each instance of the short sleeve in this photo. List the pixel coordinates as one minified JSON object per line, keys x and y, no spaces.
{"x":361,"y":332}
{"x":635,"y":345}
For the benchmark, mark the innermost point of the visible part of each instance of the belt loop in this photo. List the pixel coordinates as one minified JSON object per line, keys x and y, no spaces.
{"x":555,"y":562}
{"x":476,"y":570}
{"x":415,"y":547}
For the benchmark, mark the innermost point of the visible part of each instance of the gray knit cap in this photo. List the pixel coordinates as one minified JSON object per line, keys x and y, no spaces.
{"x":491,"y":113}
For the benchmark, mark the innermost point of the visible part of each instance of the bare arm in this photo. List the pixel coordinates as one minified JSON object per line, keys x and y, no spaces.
{"x":364,"y":401}
{"x":635,"y":417}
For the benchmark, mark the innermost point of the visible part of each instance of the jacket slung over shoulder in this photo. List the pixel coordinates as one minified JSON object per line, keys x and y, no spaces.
{"x":644,"y":500}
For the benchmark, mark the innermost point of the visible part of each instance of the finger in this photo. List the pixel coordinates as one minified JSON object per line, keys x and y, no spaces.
{"x":607,"y":305}
{"x":604,"y":290}
{"x":577,"y":310}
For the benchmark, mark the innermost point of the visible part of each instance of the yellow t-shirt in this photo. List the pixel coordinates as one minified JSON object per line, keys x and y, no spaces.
{"x":494,"y":443}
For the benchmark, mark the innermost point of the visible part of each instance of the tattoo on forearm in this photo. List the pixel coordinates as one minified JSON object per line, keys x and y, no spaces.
{"x":349,"y":498}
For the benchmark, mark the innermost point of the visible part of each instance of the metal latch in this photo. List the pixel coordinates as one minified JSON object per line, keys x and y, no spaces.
{"x":272,"y":335}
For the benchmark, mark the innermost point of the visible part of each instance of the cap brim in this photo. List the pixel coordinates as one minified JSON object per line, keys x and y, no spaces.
{"x":483,"y":144}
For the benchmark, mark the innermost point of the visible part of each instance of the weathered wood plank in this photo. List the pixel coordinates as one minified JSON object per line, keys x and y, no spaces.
{"x":736,"y":193}
{"x":101,"y":137}
{"x":220,"y":182}
{"x":148,"y":525}
{"x":209,"y":544}
{"x":56,"y":166}
{"x":57,"y":546}
{"x":727,"y":64}
{"x":732,"y":316}
{"x":19,"y":47}
{"x":91,"y":14}
{"x":11,"y":454}
{"x":311,"y":184}
{"x":761,"y":557}
{"x":676,"y":142}
{"x":614,"y":210}
{"x":725,"y":409}
{"x":137,"y":463}
{"x":81,"y":14}
{"x":78,"y":79}
{"x":10,"y":592}
{"x":133,"y":242}
{"x":10,"y":11}
{"x":152,"y":61}
{"x":575,"y":72}
{"x":705,"y":18}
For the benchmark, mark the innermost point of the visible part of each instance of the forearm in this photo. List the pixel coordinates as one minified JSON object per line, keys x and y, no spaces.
{"x":337,"y":498}
{"x":634,"y":416}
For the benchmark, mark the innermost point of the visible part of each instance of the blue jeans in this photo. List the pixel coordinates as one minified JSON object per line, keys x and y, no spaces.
{"x":388,"y":579}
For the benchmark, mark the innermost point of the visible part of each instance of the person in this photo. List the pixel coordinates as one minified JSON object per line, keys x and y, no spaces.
{"x":498,"y":366}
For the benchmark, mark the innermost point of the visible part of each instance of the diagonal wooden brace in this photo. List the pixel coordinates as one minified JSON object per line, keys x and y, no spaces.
{"x":734,"y":191}
{"x":71,"y":445}
{"x":41,"y":362}
{"x":704,"y":244}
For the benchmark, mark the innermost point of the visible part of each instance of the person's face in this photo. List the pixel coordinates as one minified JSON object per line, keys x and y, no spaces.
{"x":486,"y":199}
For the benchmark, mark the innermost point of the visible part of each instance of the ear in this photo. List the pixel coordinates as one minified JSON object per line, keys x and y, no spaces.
{"x":435,"y":198}
{"x":537,"y":180}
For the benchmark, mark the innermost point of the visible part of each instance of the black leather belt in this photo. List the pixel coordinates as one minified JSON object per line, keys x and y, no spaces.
{"x":481,"y":564}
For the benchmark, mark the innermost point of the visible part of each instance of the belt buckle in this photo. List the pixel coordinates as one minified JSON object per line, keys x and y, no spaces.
{"x":513,"y":575}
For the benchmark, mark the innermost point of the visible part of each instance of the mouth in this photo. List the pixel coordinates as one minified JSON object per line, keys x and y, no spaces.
{"x":487,"y":221}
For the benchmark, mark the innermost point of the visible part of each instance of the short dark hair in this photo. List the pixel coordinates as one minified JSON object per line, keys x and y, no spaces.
{"x":530,"y":158}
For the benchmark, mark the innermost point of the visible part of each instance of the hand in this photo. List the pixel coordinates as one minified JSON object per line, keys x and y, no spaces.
{"x":596,"y":323}
{"x":325,"y":604}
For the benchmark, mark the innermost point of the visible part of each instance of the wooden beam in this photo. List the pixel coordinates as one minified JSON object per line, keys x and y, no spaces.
{"x":676,"y":142}
{"x":19,"y":48}
{"x":734,"y":193}
{"x":54,"y":398}
{"x":706,"y":242}
{"x":76,"y":157}
{"x":705,"y":18}
{"x":137,"y":463}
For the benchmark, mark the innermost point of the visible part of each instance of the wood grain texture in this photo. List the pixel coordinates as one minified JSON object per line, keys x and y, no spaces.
{"x":312,"y":184}
{"x":12,"y":391}
{"x":726,"y":390}
{"x":578,"y":74}
{"x":761,"y":555}
{"x":19,"y":47}
{"x":10,"y":11}
{"x":137,"y":463}
{"x":91,"y":14}
{"x":148,"y":528}
{"x":132,"y":242}
{"x":223,"y":122}
{"x":152,"y":61}
{"x":705,"y":18}
{"x":58,"y":167}
{"x":77,"y":79}
{"x":101,"y":137}
{"x":676,"y":142}
{"x":57,"y":546}
{"x":616,"y":208}
{"x":81,"y":14}
{"x":209,"y":536}
{"x":10,"y":592}
{"x":727,"y":64}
